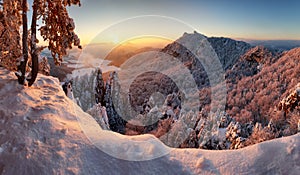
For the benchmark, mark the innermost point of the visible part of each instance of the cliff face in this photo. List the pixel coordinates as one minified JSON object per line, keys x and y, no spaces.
{"x":228,"y":50}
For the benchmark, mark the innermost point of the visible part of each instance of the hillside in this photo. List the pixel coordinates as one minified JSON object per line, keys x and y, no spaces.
{"x":42,"y":134}
{"x":251,"y":63}
{"x":256,"y":78}
{"x":256,"y":96}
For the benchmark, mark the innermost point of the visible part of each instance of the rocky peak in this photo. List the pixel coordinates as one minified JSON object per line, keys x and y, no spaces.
{"x":228,"y":50}
{"x":258,"y":54}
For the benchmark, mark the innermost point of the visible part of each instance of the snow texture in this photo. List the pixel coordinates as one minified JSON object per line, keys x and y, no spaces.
{"x":44,"y":132}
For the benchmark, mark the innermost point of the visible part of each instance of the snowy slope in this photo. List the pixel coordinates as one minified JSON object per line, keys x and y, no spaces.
{"x":40,"y":134}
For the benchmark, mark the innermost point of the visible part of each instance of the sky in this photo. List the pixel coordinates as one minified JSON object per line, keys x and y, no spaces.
{"x":238,"y":19}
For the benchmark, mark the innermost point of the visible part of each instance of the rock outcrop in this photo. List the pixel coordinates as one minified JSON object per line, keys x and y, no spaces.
{"x":251,"y":63}
{"x":112,"y":103}
{"x":99,"y":113}
{"x":292,"y":101}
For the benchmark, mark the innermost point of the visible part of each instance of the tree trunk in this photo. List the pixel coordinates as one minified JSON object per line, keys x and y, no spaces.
{"x":34,"y":52}
{"x":23,"y":63}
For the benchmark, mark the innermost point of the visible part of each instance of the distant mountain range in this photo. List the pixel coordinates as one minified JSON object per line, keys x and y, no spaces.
{"x":281,"y":45}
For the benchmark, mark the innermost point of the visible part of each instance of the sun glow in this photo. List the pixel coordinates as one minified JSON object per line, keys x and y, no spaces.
{"x":148,"y":41}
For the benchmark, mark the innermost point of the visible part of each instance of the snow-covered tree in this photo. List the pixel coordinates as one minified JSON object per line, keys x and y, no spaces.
{"x":10,"y":23}
{"x":57,"y":29}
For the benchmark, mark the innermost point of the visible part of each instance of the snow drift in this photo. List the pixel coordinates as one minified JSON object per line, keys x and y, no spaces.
{"x":44,"y":132}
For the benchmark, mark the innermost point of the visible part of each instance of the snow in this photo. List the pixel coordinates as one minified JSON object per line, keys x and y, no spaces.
{"x":44,"y":132}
